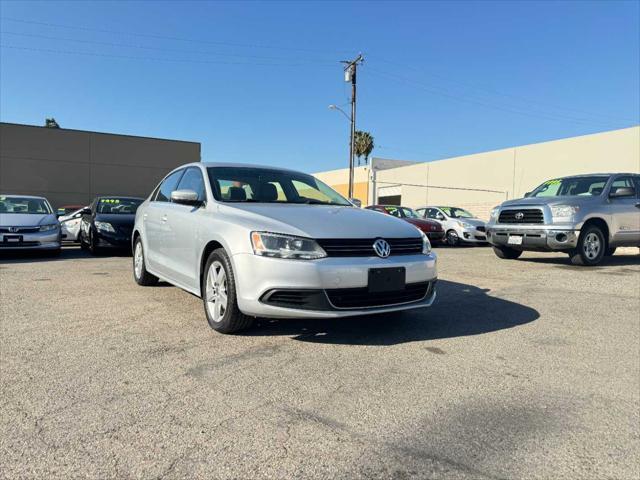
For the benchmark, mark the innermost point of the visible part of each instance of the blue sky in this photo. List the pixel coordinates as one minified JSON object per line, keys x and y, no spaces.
{"x":252,"y":81}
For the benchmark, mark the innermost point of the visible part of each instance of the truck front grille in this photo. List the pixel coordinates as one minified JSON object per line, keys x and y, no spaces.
{"x":526,"y":215}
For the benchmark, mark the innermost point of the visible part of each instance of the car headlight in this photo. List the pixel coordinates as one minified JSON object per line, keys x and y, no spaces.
{"x":285,"y":246}
{"x":105,"y":227}
{"x":48,"y":228}
{"x":494,"y":213}
{"x":564,"y":211}
{"x":465,"y":224}
{"x":426,"y":244}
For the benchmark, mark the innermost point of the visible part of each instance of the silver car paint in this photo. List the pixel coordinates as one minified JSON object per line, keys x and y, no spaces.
{"x":175,"y":236}
{"x":450,"y":223}
{"x":620,"y":214}
{"x":47,"y":240}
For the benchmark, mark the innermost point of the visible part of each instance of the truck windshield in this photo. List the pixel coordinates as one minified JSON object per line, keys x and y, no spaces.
{"x":262,"y":185}
{"x":563,"y":187}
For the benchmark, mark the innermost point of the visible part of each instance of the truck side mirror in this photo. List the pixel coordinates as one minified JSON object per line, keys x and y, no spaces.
{"x":622,"y":192}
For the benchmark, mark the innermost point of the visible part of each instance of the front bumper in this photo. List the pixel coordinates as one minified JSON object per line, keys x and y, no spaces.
{"x":536,"y":237}
{"x":257,"y":276}
{"x":472,"y":235}
{"x":112,"y":240}
{"x":30,"y":241}
{"x":434,"y":236}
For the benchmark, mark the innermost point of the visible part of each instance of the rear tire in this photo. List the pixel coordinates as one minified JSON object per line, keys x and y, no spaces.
{"x":507,"y":253}
{"x":591,"y":247}
{"x":219,"y":295}
{"x":140,"y":274}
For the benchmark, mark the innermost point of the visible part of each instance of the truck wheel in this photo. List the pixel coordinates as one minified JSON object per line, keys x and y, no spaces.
{"x":140,"y":274}
{"x":507,"y":253}
{"x":591,"y":247}
{"x":610,"y":251}
{"x":452,"y":238}
{"x":219,"y":295}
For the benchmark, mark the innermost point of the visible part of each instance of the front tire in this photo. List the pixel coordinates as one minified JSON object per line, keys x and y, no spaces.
{"x":453,"y":239}
{"x":507,"y":253}
{"x":591,"y":247}
{"x":140,"y":274}
{"x":219,"y":295}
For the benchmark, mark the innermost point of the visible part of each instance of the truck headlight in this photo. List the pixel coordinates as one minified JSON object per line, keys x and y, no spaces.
{"x":564,"y":211}
{"x":105,"y":227}
{"x":48,"y":228}
{"x":494,"y":213}
{"x":285,"y":246}
{"x":426,"y":244}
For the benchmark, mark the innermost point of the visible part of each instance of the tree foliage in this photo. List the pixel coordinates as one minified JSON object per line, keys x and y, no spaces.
{"x":363,"y":145}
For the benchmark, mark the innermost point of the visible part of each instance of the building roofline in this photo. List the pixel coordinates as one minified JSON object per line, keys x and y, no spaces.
{"x":100,"y":133}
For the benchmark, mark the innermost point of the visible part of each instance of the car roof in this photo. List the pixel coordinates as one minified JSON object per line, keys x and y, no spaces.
{"x":237,"y":165}
{"x":124,"y":197}
{"x":22,"y":196}
{"x":596,"y":175}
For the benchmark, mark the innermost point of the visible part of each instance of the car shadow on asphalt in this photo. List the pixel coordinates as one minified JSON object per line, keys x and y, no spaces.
{"x":68,"y":252}
{"x":563,"y":261}
{"x":459,"y":310}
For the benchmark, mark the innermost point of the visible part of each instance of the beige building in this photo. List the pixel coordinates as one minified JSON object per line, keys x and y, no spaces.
{"x":71,"y":167}
{"x":480,"y":181}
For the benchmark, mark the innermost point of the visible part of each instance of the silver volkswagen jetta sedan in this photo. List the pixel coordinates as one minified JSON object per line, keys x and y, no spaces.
{"x":28,"y":223}
{"x":267,"y":242}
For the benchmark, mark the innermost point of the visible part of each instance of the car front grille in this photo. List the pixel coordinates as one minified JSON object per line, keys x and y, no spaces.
{"x":19,"y":229}
{"x":481,"y":229}
{"x":18,"y":244}
{"x":526,"y":215}
{"x":363,"y":247}
{"x":345,"y":298}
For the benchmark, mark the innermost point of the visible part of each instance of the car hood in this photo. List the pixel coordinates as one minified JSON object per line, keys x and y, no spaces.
{"x":566,"y":200}
{"x":319,"y":221}
{"x":27,"y":219}
{"x":422,"y":222}
{"x":476,"y":222}
{"x":118,"y":219}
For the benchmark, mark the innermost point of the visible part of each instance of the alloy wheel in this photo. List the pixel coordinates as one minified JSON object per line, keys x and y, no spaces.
{"x":138,"y":260}
{"x":216,"y":291}
{"x":592,"y":246}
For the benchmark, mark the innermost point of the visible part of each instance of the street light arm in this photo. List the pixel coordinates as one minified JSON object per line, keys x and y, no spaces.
{"x":335,"y":107}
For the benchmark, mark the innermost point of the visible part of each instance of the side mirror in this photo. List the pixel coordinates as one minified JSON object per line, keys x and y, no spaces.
{"x":356,"y":202}
{"x":622,"y":192}
{"x":528,"y":194}
{"x":185,"y":197}
{"x":439,"y":217}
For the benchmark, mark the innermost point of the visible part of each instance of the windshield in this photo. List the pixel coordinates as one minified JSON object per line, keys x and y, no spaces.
{"x":248,"y":184}
{"x":118,"y":206}
{"x":401,"y":212}
{"x":35,"y":206}
{"x":455,"y":212}
{"x":563,"y":187}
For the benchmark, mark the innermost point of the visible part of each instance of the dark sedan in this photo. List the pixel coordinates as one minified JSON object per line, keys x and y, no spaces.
{"x":431,"y":228}
{"x":107,"y":223}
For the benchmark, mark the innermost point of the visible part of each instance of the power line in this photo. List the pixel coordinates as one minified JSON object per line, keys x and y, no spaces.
{"x":162,"y":37}
{"x":132,"y":57}
{"x":492,"y":91}
{"x":439,"y":91}
{"x":160,"y":49}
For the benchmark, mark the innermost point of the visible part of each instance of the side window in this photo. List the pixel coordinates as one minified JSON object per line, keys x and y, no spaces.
{"x":421,"y":211}
{"x":167,"y":186}
{"x":432,"y":213}
{"x":622,"y":182}
{"x":192,"y":180}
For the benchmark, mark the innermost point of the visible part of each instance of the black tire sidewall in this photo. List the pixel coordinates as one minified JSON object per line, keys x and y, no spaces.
{"x":225,"y":325}
{"x":454,"y":234}
{"x":603,"y":246}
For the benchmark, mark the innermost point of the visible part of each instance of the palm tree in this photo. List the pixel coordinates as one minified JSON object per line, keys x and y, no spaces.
{"x":363,"y":145}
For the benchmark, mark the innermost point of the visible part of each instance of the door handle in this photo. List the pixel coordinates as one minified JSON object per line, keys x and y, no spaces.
{"x":144,"y":216}
{"x":163,"y":219}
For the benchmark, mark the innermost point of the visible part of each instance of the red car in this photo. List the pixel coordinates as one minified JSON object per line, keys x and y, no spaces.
{"x":431,"y":228}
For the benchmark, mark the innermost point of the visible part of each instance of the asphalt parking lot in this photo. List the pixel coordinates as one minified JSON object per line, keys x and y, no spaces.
{"x":522,"y":369}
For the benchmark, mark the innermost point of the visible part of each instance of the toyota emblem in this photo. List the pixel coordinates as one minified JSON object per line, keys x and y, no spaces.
{"x":519,"y":216}
{"x":382,"y":248}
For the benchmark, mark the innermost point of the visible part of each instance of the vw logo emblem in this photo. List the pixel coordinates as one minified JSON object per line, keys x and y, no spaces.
{"x":519,"y":216}
{"x":382,"y":248}
{"x":13,"y":229}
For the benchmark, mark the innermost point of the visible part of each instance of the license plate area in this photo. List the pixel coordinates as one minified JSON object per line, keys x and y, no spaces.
{"x":515,"y":239}
{"x":387,"y":279}
{"x":12,"y":239}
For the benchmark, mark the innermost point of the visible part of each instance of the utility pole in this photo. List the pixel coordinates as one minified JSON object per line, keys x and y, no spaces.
{"x":350,"y":70}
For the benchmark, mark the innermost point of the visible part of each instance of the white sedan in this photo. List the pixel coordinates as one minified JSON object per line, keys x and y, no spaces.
{"x":70,"y":226}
